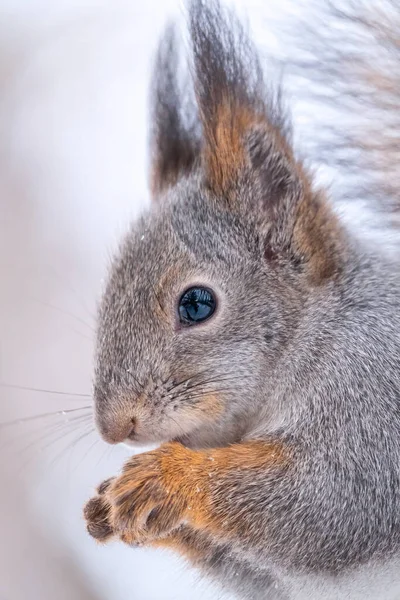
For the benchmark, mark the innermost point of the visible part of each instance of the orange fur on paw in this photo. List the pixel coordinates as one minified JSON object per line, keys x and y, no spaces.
{"x":160,"y":490}
{"x":183,"y":541}
{"x":146,"y":501}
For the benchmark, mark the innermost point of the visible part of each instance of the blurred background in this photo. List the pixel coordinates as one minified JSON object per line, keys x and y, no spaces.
{"x":73,"y":173}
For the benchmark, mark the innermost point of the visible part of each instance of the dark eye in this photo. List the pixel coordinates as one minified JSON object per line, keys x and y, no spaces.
{"x":197,"y":304}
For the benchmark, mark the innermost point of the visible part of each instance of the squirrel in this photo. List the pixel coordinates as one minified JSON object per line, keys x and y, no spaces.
{"x":246,"y":330}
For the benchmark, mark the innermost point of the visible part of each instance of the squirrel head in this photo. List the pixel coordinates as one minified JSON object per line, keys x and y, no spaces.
{"x":208,"y":288}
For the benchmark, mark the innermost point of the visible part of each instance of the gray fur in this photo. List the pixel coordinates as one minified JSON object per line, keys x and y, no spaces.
{"x":314,"y":365}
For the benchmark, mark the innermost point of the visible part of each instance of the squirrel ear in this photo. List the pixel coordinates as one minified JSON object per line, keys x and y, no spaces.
{"x":174,"y":136}
{"x":296,"y":220}
{"x":247,"y":156}
{"x":230,"y":92}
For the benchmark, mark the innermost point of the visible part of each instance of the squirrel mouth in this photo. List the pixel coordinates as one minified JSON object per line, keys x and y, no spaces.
{"x":139,"y":446}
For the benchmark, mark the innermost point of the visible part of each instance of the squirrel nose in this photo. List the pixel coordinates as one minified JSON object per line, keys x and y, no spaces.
{"x":115,"y":431}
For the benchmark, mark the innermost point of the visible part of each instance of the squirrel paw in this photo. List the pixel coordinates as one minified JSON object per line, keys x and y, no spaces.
{"x":156,"y":493}
{"x":149,"y":499}
{"x":97,"y":514}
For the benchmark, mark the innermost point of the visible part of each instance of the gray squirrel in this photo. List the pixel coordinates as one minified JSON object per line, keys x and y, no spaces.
{"x":246,"y":330}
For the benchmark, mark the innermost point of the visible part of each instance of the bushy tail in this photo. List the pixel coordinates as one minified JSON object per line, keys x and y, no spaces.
{"x":350,"y":52}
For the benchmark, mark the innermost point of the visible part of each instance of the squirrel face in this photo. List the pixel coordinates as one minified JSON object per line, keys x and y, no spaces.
{"x":236,"y":234}
{"x":161,"y":373}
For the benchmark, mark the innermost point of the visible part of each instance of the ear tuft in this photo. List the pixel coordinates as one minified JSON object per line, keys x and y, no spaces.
{"x":230,"y":92}
{"x":174,"y":136}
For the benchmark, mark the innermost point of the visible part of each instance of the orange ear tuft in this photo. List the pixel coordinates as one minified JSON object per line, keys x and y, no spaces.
{"x":225,"y":153}
{"x":229,"y":89}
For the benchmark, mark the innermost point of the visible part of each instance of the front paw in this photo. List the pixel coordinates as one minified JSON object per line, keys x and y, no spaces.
{"x":97,"y":513}
{"x":152,"y":496}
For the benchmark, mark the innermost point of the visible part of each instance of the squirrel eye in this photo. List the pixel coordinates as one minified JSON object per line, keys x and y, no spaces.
{"x":197,"y":304}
